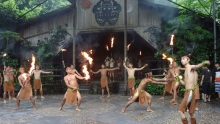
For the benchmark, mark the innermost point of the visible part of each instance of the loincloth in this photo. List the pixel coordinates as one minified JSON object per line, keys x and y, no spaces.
{"x":197,"y":96}
{"x":189,"y":101}
{"x":167,"y":87}
{"x":104,"y":81}
{"x":142,"y":97}
{"x":37,"y":84}
{"x":71,"y":95}
{"x":8,"y":86}
{"x":25,"y":93}
{"x":131,"y":82}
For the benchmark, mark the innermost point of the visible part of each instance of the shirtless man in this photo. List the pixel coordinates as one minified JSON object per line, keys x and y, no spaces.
{"x":25,"y":92}
{"x":168,"y":77}
{"x":189,"y":99}
{"x":176,"y":83}
{"x":8,"y":86}
{"x":11,"y":79}
{"x":104,"y":79}
{"x":37,"y":81}
{"x":131,"y":78}
{"x":72,"y":94}
{"x":141,"y":95}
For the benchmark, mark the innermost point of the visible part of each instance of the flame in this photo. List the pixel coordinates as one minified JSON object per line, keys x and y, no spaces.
{"x":87,"y":57}
{"x":107,"y":48}
{"x":140,"y":53}
{"x":63,"y":50}
{"x":128,"y":46}
{"x":90,"y":51}
{"x":171,"y":41}
{"x":112,"y":43}
{"x":170,"y":60}
{"x":32,"y":64}
{"x":85,"y":71}
{"x":5,"y":54}
{"x":164,"y":56}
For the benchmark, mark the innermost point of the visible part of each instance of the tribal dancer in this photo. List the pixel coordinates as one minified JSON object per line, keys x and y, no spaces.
{"x":176,"y":83}
{"x":131,"y":78}
{"x":37,"y":81}
{"x":8,"y":85}
{"x":167,"y":87}
{"x":104,"y":78}
{"x":141,"y":95}
{"x":25,"y":92}
{"x":189,"y":99}
{"x":72,"y":94}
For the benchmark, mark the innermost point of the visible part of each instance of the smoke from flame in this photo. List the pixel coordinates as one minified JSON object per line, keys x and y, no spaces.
{"x":87,"y":57}
{"x":85,"y":71}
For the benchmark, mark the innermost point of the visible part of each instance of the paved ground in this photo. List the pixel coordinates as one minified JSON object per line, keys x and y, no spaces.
{"x":102,"y":111}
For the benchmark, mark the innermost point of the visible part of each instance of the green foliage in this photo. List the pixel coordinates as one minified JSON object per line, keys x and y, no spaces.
{"x":9,"y":61}
{"x":49,"y":47}
{"x":14,"y":12}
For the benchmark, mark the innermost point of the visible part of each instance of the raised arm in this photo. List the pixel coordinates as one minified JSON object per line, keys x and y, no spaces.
{"x":201,"y":64}
{"x":112,"y":69}
{"x":157,"y":82}
{"x":124,"y":63}
{"x":45,"y":72}
{"x":96,"y":71}
{"x":77,"y":73}
{"x":182,"y":69}
{"x":79,"y":77}
{"x":138,"y":69}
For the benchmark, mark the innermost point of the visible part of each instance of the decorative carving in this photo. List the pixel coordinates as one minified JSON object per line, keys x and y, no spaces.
{"x":155,"y":34}
{"x":106,"y":11}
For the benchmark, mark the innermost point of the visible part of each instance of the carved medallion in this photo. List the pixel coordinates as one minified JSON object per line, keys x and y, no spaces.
{"x":106,"y":11}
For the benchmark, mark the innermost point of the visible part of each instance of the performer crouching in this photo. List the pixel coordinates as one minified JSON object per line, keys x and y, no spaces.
{"x":72,"y":94}
{"x":141,"y":95}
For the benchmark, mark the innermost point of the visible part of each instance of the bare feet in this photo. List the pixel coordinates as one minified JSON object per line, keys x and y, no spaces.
{"x":17,"y":108}
{"x":4,"y":101}
{"x":162,"y":98}
{"x":102,"y":97}
{"x":77,"y":109}
{"x":60,"y":109}
{"x":149,"y":110}
{"x":175,"y":103}
{"x":123,"y":110}
{"x":108,"y":96}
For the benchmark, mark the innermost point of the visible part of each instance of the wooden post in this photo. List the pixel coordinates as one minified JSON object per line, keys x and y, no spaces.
{"x":125,"y":43}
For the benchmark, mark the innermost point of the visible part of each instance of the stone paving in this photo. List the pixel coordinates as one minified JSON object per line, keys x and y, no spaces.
{"x":102,"y":111}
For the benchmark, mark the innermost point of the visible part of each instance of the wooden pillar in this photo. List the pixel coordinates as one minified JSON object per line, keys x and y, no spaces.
{"x":125,"y":43}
